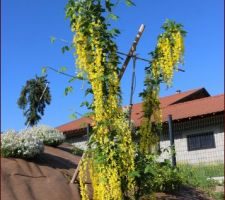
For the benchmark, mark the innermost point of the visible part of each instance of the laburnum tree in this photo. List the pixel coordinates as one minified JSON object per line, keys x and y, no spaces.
{"x":110,"y":157}
{"x":34,"y":97}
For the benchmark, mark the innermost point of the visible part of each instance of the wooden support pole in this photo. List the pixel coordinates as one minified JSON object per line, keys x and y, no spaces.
{"x":132,"y":88}
{"x":78,"y":166}
{"x":132,"y":50}
{"x":77,"y":170}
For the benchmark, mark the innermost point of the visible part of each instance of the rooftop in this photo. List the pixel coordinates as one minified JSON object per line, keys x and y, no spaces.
{"x":183,"y":105}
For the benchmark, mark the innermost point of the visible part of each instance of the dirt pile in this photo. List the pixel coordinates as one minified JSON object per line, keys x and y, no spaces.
{"x":45,"y":177}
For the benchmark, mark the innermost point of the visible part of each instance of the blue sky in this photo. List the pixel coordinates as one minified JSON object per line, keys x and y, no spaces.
{"x":27,"y":26}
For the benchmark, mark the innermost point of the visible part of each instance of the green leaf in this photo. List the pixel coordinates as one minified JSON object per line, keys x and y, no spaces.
{"x":84,"y":103}
{"x":88,"y":91}
{"x":113,"y":17}
{"x":149,"y":169}
{"x":65,"y":48}
{"x":52,"y":39}
{"x":134,"y":174}
{"x":63,"y":69}
{"x":73,"y":116}
{"x":43,"y":70}
{"x":108,"y":5}
{"x":129,"y":3}
{"x":80,"y":76}
{"x":68,"y":90}
{"x":115,"y":31}
{"x":72,"y":79}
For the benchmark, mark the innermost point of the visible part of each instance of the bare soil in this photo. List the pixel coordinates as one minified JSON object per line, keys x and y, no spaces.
{"x":47,"y":178}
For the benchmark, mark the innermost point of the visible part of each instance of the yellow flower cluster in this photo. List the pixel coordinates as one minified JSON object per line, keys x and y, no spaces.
{"x":149,"y":138}
{"x":101,"y":71}
{"x":165,"y":61}
{"x":178,"y":48}
{"x":168,"y":54}
{"x":83,"y":177}
{"x":171,"y":51}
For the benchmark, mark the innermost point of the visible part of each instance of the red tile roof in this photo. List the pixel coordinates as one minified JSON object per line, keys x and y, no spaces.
{"x":74,"y":125}
{"x":183,"y":105}
{"x":171,"y":99}
{"x":193,"y":108}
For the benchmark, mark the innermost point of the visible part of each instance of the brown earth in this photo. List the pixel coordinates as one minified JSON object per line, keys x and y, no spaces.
{"x":43,"y":178}
{"x":185,"y":193}
{"x":47,"y":178}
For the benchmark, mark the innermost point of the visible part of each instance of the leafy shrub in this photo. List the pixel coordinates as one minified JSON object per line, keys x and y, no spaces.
{"x":77,"y":151}
{"x":48,"y":135}
{"x":153,"y":176}
{"x":19,"y":145}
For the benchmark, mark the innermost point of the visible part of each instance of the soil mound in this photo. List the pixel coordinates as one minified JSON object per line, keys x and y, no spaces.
{"x":45,"y":177}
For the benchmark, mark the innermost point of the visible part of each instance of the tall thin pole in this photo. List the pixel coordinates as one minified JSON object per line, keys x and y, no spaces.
{"x":132,"y":87}
{"x":171,"y":135}
{"x":132,"y":50}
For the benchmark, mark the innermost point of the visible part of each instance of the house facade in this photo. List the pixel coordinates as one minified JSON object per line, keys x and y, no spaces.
{"x":197,"y":125}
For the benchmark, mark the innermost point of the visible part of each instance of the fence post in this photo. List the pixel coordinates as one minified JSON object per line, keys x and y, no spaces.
{"x":171,"y":135}
{"x":88,"y":130}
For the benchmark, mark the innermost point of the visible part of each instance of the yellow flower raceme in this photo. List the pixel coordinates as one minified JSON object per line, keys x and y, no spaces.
{"x":169,"y":53}
{"x":101,"y":69}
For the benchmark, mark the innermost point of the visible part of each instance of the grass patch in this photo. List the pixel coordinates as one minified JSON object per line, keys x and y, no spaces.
{"x":197,"y":176}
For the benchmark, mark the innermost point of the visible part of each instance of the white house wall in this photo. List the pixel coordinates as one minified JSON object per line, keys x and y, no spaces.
{"x":211,"y":155}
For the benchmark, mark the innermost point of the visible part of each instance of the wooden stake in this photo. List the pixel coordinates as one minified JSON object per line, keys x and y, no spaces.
{"x":77,"y":170}
{"x":132,"y":50}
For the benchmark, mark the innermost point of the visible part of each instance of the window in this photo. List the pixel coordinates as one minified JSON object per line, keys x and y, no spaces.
{"x":201,"y":141}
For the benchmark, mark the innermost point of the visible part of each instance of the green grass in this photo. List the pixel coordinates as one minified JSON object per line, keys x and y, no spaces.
{"x":197,"y":176}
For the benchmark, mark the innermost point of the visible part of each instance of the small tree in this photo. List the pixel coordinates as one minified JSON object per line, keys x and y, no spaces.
{"x":33,"y":99}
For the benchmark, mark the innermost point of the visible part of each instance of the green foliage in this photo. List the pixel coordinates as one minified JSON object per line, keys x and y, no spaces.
{"x":30,"y":102}
{"x":68,"y":90}
{"x":129,"y":3}
{"x":197,"y":175}
{"x":112,"y":16}
{"x":77,"y":151}
{"x":154,"y":176}
{"x":73,"y":116}
{"x":63,"y":69}
{"x":43,"y":70}
{"x":52,"y":39}
{"x":65,"y":48}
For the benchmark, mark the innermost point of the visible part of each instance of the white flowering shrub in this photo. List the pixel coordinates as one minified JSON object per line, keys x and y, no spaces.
{"x":81,"y":145}
{"x":19,"y":145}
{"x":49,"y":135}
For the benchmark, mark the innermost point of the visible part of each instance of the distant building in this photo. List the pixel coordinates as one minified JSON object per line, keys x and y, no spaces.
{"x":198,"y":126}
